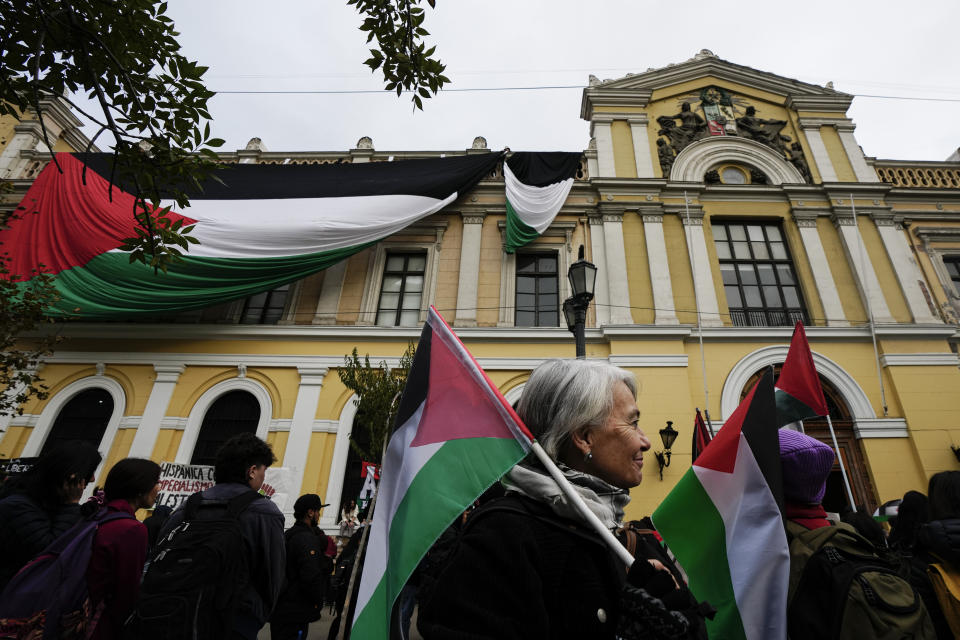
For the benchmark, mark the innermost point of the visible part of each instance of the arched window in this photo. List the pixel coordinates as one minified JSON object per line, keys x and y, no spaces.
{"x":83,"y":418}
{"x":854,"y":460}
{"x":232,"y":413}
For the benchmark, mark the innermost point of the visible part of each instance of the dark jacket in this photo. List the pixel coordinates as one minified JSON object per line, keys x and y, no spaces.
{"x":262,"y":525}
{"x":937,"y":541}
{"x":524,"y":575}
{"x":307,"y":576}
{"x":26,"y":529}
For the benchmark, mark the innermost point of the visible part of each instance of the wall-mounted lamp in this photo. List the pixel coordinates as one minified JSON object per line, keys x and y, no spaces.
{"x":956,"y":452}
{"x":667,"y":435}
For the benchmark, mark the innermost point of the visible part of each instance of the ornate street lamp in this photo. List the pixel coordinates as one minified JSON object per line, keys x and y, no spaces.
{"x":667,"y":435}
{"x":582,"y":276}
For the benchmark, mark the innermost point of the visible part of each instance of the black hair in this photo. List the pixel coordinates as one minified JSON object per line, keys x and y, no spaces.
{"x":44,"y":480}
{"x":130,"y":478}
{"x":866,"y":526}
{"x":913,"y":512}
{"x":238,"y":454}
{"x":944,"y":494}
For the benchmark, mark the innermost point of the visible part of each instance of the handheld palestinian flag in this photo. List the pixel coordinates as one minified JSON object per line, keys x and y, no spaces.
{"x":537,"y":184}
{"x":455,"y":436}
{"x":723,"y":523}
{"x":799,"y":393}
{"x":264,"y":226}
{"x":701,"y":437}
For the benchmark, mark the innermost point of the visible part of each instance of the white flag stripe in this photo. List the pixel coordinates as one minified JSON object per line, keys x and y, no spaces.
{"x":535,"y":206}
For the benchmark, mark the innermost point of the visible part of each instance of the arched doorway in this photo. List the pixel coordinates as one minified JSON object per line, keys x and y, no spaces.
{"x":84,"y":418}
{"x":232,"y":413}
{"x":854,"y":460}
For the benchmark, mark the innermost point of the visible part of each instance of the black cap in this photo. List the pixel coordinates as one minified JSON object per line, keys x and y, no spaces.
{"x":306,"y":502}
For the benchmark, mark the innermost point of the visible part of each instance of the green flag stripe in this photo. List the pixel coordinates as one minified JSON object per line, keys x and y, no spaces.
{"x":110,"y":286}
{"x":519,"y":234}
{"x":690,"y":523}
{"x":789,"y":409}
{"x":446,"y":485}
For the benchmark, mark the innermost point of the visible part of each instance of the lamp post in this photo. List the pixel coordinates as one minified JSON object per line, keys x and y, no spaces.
{"x":667,"y":435}
{"x":582,"y":276}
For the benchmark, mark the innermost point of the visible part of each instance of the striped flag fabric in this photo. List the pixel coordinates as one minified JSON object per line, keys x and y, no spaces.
{"x":701,"y":437}
{"x":723,"y":522}
{"x":537,"y":185}
{"x":455,"y":435}
{"x":263,"y":226}
{"x":799,"y":394}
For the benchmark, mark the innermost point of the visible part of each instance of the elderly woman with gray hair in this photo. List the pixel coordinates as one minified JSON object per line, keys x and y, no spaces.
{"x":527,"y":565}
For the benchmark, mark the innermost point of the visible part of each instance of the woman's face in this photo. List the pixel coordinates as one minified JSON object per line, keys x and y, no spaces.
{"x":618,"y":445}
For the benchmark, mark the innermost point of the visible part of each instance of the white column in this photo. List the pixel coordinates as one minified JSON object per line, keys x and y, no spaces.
{"x":598,"y":252}
{"x":912,"y":282}
{"x":704,"y":289}
{"x":665,"y":310}
{"x":617,"y":269}
{"x":641,"y":146}
{"x":604,"y":137}
{"x":301,"y":428}
{"x":855,"y":154}
{"x":149,"y":427}
{"x":329,"y":302}
{"x":867,"y":281}
{"x":822,"y":276}
{"x":820,"y":156}
{"x":469,"y":270}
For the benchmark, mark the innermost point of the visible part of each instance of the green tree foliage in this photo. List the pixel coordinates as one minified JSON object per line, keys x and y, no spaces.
{"x":378,"y":392}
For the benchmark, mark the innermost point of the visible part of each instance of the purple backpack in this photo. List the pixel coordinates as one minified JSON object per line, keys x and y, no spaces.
{"x":48,"y":597}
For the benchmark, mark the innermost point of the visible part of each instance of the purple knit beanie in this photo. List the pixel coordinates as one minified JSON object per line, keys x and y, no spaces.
{"x":806,"y":464}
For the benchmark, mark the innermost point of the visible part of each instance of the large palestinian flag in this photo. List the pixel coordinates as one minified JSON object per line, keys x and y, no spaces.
{"x":723,"y":523}
{"x":262,"y":227}
{"x":455,"y":436}
{"x":799,"y":392}
{"x":537,"y":185}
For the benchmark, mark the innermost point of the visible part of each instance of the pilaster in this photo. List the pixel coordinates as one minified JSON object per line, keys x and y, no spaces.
{"x":664,"y":307}
{"x":811,"y":129}
{"x":854,"y":153}
{"x":149,"y":428}
{"x":867,"y":281}
{"x":602,"y":133}
{"x":619,"y":304}
{"x":704,"y":289}
{"x":912,"y":283}
{"x":641,"y":146}
{"x":330,"y":289}
{"x":469,"y":269}
{"x":822,"y":275}
{"x":301,"y":428}
{"x":598,"y":253}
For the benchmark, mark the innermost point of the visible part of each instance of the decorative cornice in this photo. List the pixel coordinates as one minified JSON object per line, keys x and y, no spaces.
{"x":473,"y":218}
{"x":880,"y":428}
{"x":312,"y":375}
{"x":919,"y":360}
{"x":816,"y":123}
{"x":613,"y":217}
{"x":843,"y":220}
{"x":168,"y":372}
{"x":325,"y":426}
{"x":805,"y":219}
{"x":840,"y":102}
{"x":657,"y":360}
{"x":653,"y":218}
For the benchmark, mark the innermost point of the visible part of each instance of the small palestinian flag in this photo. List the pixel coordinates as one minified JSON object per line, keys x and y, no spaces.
{"x":455,"y":436}
{"x":798,"y":392}
{"x":262,"y":227}
{"x":537,"y":184}
{"x":701,"y":437}
{"x":723,"y":522}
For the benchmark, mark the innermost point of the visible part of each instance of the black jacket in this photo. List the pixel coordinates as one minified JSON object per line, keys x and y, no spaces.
{"x":524,"y":573}
{"x":308,"y":575}
{"x":937,"y":541}
{"x":26,"y":529}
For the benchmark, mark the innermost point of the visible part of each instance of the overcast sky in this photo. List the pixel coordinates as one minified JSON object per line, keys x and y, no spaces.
{"x":876,"y":48}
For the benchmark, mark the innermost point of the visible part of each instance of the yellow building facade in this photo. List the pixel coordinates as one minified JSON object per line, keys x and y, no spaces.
{"x":714,"y":227}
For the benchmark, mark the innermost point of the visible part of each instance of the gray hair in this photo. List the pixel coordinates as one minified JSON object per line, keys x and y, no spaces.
{"x":564,"y":395}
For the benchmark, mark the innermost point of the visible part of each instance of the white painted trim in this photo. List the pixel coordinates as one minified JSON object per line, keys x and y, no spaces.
{"x":616,"y":262}
{"x":919,"y":360}
{"x":653,"y":360}
{"x":173,"y":422}
{"x":514,"y":393}
{"x":664,"y":306}
{"x":880,"y":428}
{"x":325,"y":426}
{"x":868,"y":284}
{"x":330,"y":289}
{"x":641,"y":147}
{"x":855,"y":154}
{"x":157,"y":404}
{"x":603,"y":134}
{"x":25,"y":420}
{"x":199,"y":410}
{"x":823,"y":276}
{"x":338,"y":465}
{"x":699,"y":157}
{"x":53,"y":407}
{"x":852,"y":393}
{"x":370,"y":301}
{"x":598,"y":254}
{"x":469,"y":276}
{"x":279,"y":424}
{"x":701,"y":268}
{"x":300,"y":426}
{"x":907,"y":271}
{"x":820,"y":156}
{"x":508,"y":281}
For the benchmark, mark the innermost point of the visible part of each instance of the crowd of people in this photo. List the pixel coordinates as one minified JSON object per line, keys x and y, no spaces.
{"x":520,"y":565}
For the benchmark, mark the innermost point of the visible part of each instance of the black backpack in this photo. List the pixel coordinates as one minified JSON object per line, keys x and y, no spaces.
{"x":192,"y":585}
{"x":841,"y":586}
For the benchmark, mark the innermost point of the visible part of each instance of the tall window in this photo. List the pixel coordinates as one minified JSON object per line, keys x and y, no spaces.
{"x":538,"y":300}
{"x":401,"y":291}
{"x":84,"y":418}
{"x":758,"y":276}
{"x":266,"y":307}
{"x":953,"y":268}
{"x":232,"y":413}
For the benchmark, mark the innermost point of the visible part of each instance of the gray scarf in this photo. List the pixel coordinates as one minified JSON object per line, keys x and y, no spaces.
{"x":605,"y":500}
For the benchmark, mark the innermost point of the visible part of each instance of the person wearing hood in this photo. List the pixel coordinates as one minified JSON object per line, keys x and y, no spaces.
{"x":939,"y":541}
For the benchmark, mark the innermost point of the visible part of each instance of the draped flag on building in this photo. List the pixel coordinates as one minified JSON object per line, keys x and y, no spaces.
{"x":264,"y":226}
{"x":799,"y":393}
{"x":723,"y":522}
{"x":455,"y":436}
{"x":537,"y":184}
{"x":701,"y":437}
